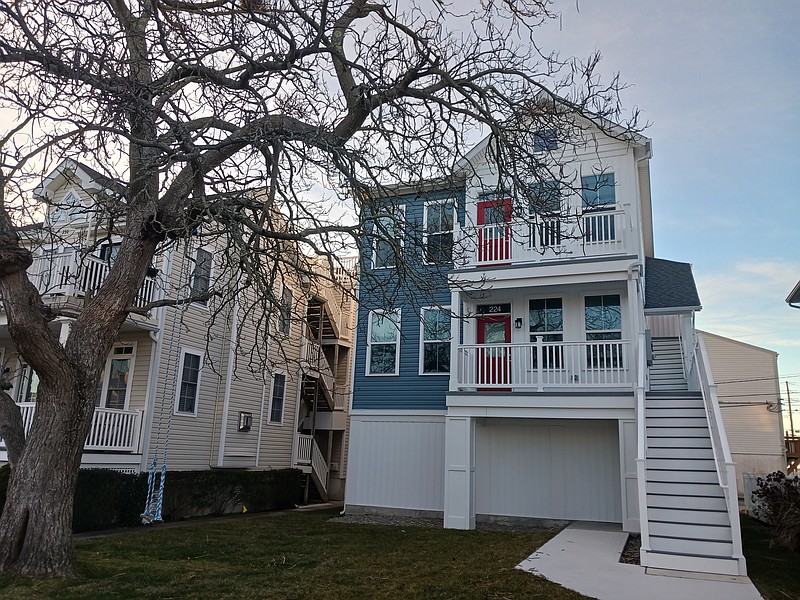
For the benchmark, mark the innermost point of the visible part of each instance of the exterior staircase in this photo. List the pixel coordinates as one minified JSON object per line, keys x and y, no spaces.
{"x":687,"y":514}
{"x":666,"y":372}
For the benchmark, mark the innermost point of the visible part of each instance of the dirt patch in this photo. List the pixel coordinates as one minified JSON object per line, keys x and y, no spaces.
{"x":630,"y":553}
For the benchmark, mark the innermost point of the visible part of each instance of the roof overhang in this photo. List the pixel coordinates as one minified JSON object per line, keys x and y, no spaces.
{"x":793,"y":299}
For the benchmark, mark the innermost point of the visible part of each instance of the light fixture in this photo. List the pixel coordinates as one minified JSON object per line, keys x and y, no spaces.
{"x":518,"y":323}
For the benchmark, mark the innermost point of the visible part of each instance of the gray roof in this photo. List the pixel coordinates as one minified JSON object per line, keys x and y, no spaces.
{"x":794,"y":296}
{"x":669,"y":284}
{"x":104,"y":180}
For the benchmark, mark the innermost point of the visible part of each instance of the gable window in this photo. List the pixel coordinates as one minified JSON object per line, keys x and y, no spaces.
{"x":201,"y":278}
{"x":189,"y":384}
{"x":435,"y":338}
{"x":383,"y":342}
{"x":439,"y":217}
{"x":116,"y":379}
{"x":388,"y":238}
{"x":276,"y":398}
{"x":598,"y":191}
{"x":603,"y":316}
{"x":285,"y":311}
{"x":545,"y":139}
{"x":28,"y":384}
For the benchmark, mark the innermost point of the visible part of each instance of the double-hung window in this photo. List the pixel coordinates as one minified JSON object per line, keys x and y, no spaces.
{"x":603,"y":316}
{"x":116,"y":379}
{"x":383,"y":343}
{"x":546,"y":320}
{"x":387,"y":237}
{"x":544,"y":209}
{"x":435,"y":341}
{"x":201,"y":278}
{"x":598,"y":191}
{"x":545,"y":139}
{"x":276,"y":398}
{"x":189,"y":384}
{"x":439,"y":219}
{"x":285,"y":311}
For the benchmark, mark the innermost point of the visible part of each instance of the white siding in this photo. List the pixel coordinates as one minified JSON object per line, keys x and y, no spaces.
{"x":396,"y":462}
{"x":548,"y":469}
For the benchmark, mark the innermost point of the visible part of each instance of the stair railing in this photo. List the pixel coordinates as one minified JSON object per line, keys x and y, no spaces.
{"x":726,"y":470}
{"x":319,"y":464}
{"x":641,"y":452}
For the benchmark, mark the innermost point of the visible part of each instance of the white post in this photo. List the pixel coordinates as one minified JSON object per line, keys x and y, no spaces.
{"x":455,"y":328}
{"x":459,"y":483}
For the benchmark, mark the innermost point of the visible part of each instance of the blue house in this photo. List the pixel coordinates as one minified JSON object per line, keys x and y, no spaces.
{"x":522,"y":354}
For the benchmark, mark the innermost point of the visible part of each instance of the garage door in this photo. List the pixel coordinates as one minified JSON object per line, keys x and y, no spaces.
{"x":548,"y":469}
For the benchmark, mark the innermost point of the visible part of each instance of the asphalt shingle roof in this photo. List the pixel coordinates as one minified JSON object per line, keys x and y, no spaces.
{"x":669,"y":284}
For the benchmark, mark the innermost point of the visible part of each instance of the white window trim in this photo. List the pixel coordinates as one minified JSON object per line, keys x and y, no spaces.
{"x":107,"y":373}
{"x":271,"y":390}
{"x":398,"y":212}
{"x":202,"y":305}
{"x":622,"y":316}
{"x":422,"y":342}
{"x":452,"y":202}
{"x":396,"y":343}
{"x":179,"y":380}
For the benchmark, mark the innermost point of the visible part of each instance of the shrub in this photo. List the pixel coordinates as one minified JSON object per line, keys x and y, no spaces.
{"x":777,"y":498}
{"x":105,"y":499}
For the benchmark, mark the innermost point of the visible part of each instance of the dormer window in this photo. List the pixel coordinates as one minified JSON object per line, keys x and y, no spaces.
{"x":545,"y":139}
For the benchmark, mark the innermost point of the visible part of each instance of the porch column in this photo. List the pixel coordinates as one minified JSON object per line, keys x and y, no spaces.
{"x":455,"y":337}
{"x":459,"y":482}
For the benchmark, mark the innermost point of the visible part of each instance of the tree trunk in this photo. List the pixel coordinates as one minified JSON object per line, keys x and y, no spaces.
{"x":11,"y":427}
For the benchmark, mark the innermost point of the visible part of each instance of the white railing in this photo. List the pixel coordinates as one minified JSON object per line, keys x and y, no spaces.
{"x":73,"y":274}
{"x":543,"y":238}
{"x":544,"y":364}
{"x":316,"y":361}
{"x":726,"y":470}
{"x":641,"y":444}
{"x":304,"y":449}
{"x":111,"y":430}
{"x":318,"y":464}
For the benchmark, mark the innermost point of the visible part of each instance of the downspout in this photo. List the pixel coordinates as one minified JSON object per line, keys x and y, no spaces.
{"x":156,"y":353}
{"x":228,"y":380}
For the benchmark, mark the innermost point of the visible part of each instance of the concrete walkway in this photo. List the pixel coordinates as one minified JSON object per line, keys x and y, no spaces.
{"x":585,"y":558}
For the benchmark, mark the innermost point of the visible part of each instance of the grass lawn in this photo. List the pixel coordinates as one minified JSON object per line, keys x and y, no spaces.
{"x":774,"y":571}
{"x":298,"y":555}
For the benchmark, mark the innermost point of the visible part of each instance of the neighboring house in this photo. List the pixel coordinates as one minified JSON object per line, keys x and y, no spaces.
{"x":542,"y":395}
{"x":202,"y":385}
{"x":748,"y":389}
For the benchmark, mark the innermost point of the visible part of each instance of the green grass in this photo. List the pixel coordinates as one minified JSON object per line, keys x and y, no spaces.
{"x":298,"y":555}
{"x":774,"y":570}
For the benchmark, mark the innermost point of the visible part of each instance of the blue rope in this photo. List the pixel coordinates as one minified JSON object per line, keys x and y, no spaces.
{"x":150,"y":515}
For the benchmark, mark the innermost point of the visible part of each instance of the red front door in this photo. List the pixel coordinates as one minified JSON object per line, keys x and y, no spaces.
{"x":494,"y":364}
{"x":494,"y":231}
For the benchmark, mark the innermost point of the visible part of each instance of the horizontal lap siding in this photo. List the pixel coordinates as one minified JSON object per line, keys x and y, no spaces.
{"x":141,"y":368}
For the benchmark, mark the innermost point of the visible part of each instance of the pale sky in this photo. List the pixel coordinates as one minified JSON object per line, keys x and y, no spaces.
{"x":720,"y":82}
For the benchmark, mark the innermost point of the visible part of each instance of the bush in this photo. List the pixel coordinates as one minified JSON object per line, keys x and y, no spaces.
{"x":777,"y":498}
{"x":105,"y":499}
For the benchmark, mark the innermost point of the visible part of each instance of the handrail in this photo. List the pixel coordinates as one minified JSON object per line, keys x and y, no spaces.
{"x":726,"y":470}
{"x":641,"y":446}
{"x":318,"y":464}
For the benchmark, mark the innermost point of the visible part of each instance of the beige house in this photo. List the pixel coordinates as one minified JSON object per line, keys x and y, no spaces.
{"x":203,"y":385}
{"x":748,"y":389}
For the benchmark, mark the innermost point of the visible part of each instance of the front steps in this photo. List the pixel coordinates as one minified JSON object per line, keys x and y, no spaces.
{"x":666,"y":372}
{"x":688,"y":521}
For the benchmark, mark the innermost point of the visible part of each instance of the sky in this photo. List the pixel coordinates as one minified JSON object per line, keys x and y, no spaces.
{"x":719,"y":82}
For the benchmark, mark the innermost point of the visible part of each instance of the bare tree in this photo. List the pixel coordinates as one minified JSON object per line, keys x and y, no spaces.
{"x":195,"y":105}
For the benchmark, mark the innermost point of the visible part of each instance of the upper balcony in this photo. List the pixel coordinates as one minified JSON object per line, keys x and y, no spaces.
{"x":544,"y":239}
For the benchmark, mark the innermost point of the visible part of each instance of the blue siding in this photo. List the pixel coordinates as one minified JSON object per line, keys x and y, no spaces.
{"x":410,"y":287}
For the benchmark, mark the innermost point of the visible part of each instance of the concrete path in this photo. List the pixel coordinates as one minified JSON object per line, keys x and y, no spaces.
{"x":585,"y":558}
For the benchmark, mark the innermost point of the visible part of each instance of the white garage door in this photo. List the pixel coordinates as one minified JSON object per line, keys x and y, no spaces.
{"x":550,"y":469}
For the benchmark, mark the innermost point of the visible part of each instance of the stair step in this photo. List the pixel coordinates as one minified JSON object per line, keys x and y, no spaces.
{"x":651,"y":402}
{"x":681,"y":464}
{"x":666,"y":441}
{"x":695,"y":547}
{"x":700,"y":422}
{"x":688,"y":515}
{"x":687,"y":531}
{"x":681,"y":501}
{"x":676,"y":431}
{"x":686,"y":489}
{"x":665,"y":475}
{"x":680,"y":453}
{"x":678,"y":561}
{"x":673,"y":411}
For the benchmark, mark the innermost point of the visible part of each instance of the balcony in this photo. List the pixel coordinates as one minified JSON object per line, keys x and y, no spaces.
{"x":111,"y":430}
{"x":546,"y":239}
{"x":73,"y":274}
{"x":556,"y":366}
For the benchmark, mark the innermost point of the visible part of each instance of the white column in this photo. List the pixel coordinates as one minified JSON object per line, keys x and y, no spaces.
{"x":459,"y":478}
{"x":455,"y":328}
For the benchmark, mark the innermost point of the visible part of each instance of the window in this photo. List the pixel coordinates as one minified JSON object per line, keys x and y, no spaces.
{"x":546,"y":320}
{"x":115,"y":380}
{"x":28,"y":384}
{"x":598,"y":191}
{"x":603,"y":322}
{"x":545,"y":198}
{"x":388,"y":238}
{"x":201,"y":278}
{"x":439,"y":218}
{"x":276,"y":398}
{"x":545,"y":139}
{"x":435,"y":337}
{"x":109,"y":251}
{"x":189,"y":383}
{"x":285,"y":311}
{"x":383,"y":343}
